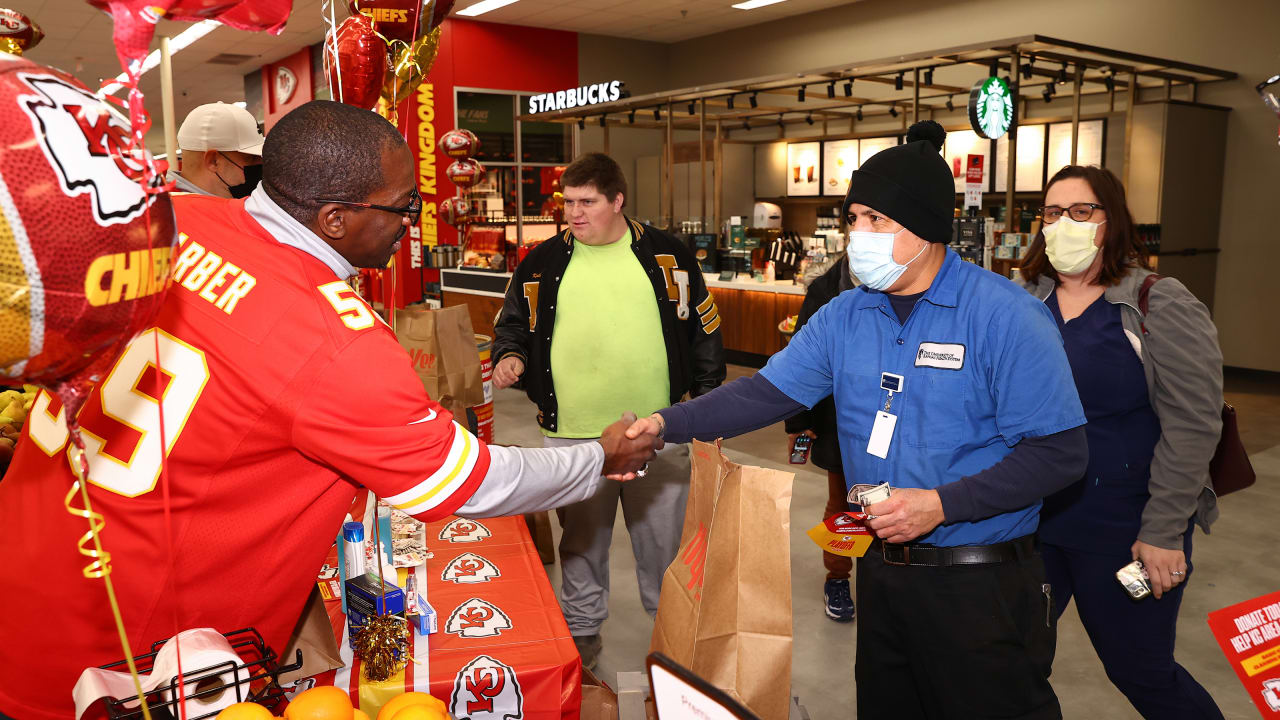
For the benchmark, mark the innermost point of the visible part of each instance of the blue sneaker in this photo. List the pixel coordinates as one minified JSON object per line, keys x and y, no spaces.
{"x":839,"y":600}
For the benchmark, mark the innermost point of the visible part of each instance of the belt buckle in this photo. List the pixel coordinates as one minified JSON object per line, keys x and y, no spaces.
{"x":906,"y":554}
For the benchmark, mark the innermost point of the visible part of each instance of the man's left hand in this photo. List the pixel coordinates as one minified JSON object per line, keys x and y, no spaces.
{"x":906,"y":515}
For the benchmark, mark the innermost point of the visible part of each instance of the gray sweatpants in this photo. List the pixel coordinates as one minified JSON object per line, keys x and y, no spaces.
{"x":653,"y":509}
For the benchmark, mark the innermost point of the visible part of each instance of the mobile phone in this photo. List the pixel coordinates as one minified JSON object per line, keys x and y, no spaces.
{"x":800,"y":449}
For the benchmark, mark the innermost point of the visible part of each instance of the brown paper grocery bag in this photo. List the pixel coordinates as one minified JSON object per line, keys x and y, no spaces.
{"x":443,"y":351}
{"x":725,"y":608}
{"x":313,"y":635}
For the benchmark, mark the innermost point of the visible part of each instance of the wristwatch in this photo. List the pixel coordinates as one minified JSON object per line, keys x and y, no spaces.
{"x":662,"y":424}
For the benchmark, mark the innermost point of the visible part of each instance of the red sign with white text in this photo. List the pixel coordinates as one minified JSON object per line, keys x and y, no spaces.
{"x":1249,"y":634}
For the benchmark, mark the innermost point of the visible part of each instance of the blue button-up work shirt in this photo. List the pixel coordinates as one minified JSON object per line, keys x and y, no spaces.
{"x":984,"y":367}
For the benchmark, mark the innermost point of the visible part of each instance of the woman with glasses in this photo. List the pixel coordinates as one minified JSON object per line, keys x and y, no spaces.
{"x":1151,"y":387}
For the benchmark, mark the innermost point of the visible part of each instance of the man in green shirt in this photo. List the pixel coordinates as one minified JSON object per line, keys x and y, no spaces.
{"x":609,"y":316}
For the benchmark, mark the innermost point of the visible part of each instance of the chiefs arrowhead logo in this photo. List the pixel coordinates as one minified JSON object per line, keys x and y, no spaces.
{"x":469,"y":568}
{"x":85,"y":142}
{"x":476,"y":618}
{"x":486,"y":689}
{"x":286,"y":83}
{"x":462,"y":530}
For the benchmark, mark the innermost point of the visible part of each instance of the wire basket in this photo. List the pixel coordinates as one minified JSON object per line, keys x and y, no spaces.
{"x":258,"y":669}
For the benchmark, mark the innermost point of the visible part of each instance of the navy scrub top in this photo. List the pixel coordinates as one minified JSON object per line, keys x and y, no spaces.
{"x":1103,"y":511}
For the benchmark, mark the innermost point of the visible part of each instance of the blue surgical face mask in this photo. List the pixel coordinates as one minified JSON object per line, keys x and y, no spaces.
{"x":871,"y":258}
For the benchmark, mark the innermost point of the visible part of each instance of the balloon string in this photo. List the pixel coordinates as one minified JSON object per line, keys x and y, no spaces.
{"x":101,"y":565}
{"x":332,"y":38}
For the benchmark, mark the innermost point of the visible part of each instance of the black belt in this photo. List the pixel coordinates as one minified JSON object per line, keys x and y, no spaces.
{"x":934,"y":556}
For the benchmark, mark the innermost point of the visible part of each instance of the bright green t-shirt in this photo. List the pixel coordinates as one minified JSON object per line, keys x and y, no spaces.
{"x":607,"y":349}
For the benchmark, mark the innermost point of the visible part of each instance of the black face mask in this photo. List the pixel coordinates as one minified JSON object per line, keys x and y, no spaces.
{"x":252,"y":176}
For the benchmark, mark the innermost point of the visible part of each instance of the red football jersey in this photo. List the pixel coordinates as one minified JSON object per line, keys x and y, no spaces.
{"x":282,"y":392}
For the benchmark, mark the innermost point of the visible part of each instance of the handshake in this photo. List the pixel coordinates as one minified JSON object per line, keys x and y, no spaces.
{"x":629,"y":445}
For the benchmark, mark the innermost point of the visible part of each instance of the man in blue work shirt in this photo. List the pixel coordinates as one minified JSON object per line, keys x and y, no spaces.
{"x":956,"y":391}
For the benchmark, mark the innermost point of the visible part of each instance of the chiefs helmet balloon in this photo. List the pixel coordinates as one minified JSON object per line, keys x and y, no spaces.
{"x":465,"y":173}
{"x":84,"y":246}
{"x":459,"y":144}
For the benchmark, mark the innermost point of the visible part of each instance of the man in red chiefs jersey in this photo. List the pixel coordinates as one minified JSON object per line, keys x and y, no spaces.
{"x":282,"y":391}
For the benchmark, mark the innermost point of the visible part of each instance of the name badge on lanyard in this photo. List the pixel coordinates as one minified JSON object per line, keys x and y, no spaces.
{"x":882,"y":430}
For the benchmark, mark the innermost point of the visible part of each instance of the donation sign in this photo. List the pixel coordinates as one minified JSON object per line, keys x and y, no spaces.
{"x":1249,"y":634}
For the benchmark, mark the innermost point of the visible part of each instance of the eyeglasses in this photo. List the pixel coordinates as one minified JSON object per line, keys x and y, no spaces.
{"x":1079,"y":212}
{"x":413,"y":210}
{"x":1268,"y":89}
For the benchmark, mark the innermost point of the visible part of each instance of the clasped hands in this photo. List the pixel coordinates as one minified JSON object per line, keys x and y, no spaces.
{"x":627,"y":453}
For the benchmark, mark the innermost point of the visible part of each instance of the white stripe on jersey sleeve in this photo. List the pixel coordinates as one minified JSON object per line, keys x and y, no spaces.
{"x":464,"y":451}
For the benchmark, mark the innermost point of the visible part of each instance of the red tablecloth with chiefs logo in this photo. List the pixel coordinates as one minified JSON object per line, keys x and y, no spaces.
{"x":503,"y":650}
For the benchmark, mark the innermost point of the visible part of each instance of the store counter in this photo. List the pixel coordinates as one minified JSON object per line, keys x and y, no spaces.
{"x":749,"y":311}
{"x":502,"y":648}
{"x":481,"y":291}
{"x":749,"y":315}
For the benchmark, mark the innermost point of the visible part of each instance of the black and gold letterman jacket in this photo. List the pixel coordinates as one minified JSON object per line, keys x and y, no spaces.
{"x":690,"y":319}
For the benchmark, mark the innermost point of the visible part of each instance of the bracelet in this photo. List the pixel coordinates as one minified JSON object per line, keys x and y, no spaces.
{"x":662,"y":424}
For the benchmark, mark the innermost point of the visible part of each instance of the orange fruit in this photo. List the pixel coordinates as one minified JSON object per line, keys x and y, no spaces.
{"x":421,"y":712}
{"x":360,"y":715}
{"x":245,"y":711}
{"x":410,"y":699}
{"x":320,"y":703}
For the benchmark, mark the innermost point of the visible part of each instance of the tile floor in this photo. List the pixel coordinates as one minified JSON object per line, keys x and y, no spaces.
{"x":1235,"y":563}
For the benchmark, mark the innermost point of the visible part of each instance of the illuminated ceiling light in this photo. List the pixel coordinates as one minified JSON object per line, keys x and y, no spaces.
{"x":483,"y":7}
{"x":753,"y":4}
{"x":176,"y":44}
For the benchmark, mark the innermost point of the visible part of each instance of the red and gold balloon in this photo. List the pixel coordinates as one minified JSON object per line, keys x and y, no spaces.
{"x":409,"y":65}
{"x":393,"y":19}
{"x":456,"y":210}
{"x":18,"y":32}
{"x":84,"y":245}
{"x":465,"y":173}
{"x":360,"y":65}
{"x":459,"y":144}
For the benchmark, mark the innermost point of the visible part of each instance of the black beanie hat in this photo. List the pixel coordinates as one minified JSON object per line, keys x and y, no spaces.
{"x":911,"y":184}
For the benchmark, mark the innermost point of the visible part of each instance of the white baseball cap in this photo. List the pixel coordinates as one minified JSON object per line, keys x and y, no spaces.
{"x":219,"y":126}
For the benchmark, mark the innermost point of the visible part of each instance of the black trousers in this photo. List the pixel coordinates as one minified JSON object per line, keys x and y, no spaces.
{"x":961,"y":642}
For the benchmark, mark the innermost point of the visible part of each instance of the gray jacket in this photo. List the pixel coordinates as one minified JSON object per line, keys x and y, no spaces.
{"x":1183,"y":364}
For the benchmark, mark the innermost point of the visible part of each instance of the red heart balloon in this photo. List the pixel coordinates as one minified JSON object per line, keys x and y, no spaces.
{"x":360,"y":65}
{"x":394,"y":19}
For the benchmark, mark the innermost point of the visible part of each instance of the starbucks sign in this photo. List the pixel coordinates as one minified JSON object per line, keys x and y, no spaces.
{"x":990,"y":107}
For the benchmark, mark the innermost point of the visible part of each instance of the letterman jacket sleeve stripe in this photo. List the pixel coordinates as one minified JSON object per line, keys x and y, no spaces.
{"x":460,"y":466}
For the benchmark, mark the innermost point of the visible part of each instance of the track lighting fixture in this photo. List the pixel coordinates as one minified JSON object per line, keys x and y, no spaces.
{"x":848,"y":88}
{"x":859,"y":114}
{"x":800,"y":94}
{"x":831,"y":90}
{"x":897,"y":82}
{"x":893,"y":110}
{"x":928,"y":76}
{"x":809,"y":118}
{"x":753,"y":100}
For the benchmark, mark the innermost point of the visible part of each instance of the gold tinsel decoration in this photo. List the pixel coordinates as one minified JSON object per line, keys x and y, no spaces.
{"x":382,"y":645}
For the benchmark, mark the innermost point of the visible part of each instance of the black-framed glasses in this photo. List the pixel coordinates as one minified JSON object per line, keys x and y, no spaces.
{"x":1079,"y":212}
{"x":413,"y":210}
{"x":1269,"y":89}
